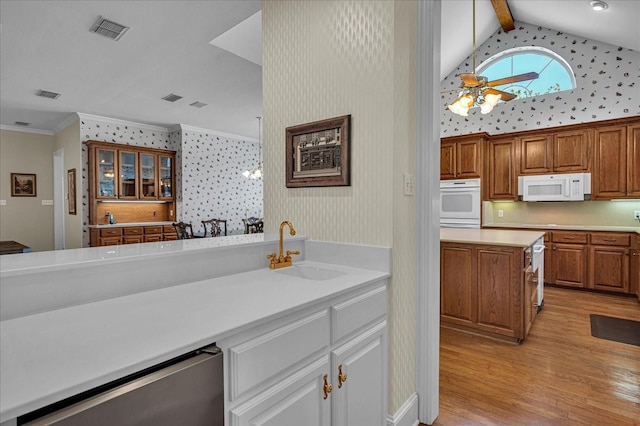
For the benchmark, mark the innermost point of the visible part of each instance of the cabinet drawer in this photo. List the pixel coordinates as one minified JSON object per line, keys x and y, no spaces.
{"x":168,"y":229}
{"x":351,"y":315}
{"x":111,"y":232}
{"x":270,"y":354}
{"x":611,"y":239}
{"x":133,"y":230}
{"x":153,"y":229}
{"x":569,"y":237}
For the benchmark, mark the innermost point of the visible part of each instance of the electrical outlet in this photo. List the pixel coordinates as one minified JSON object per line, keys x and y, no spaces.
{"x":636,"y":214}
{"x":500,"y":213}
{"x":3,"y":202}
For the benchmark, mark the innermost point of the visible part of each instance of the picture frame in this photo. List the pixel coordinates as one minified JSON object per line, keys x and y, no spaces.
{"x":318,"y":153}
{"x":23,"y":185}
{"x":71,"y":190}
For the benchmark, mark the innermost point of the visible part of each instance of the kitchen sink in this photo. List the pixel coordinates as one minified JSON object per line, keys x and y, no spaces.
{"x":308,"y":272}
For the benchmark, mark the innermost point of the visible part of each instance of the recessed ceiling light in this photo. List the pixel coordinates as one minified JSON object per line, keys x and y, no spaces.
{"x":198,"y":104}
{"x":109,"y":29}
{"x":47,"y":94}
{"x":599,"y":5}
{"x":172,"y":98}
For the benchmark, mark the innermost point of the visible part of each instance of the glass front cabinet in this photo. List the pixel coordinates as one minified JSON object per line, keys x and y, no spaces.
{"x":130,"y":174}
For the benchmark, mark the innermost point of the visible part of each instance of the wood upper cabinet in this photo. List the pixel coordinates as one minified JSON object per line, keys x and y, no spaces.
{"x":633,"y":161}
{"x":461,"y":157}
{"x":617,"y":162}
{"x":502,"y":182}
{"x":557,"y":152}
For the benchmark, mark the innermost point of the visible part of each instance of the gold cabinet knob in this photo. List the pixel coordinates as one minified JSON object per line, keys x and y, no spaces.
{"x":341,"y":376}
{"x":327,"y":387}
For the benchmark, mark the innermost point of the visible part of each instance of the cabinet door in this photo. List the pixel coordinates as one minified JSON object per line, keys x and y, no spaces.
{"x":609,"y":268}
{"x":148,"y":178}
{"x":634,"y":268}
{"x":359,"y":379}
{"x":609,"y":178}
{"x":298,"y":396}
{"x":166,"y":176}
{"x":457,"y":284}
{"x":110,"y":241}
{"x":536,"y":154}
{"x":570,"y":264}
{"x":500,"y":291}
{"x":501,"y":170}
{"x":530,"y":298}
{"x":448,"y":161}
{"x":571,"y":151}
{"x":468,"y":159}
{"x":128,"y":175}
{"x":106,"y":173}
{"x":633,"y":161}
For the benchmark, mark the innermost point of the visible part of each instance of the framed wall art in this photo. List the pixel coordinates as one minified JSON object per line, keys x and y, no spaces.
{"x":318,"y":153}
{"x":23,"y":184}
{"x":71,"y":190}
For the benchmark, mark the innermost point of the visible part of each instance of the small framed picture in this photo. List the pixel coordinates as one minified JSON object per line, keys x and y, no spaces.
{"x":71,"y":190}
{"x":23,"y":184}
{"x":318,"y":153}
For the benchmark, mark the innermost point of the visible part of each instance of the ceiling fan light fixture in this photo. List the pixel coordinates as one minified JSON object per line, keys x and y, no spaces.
{"x":599,"y":5}
{"x":462,"y":104}
{"x":490,"y":100}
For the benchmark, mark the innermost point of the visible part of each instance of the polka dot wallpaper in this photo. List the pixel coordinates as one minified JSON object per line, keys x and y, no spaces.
{"x":209,"y":169}
{"x":607,"y":85}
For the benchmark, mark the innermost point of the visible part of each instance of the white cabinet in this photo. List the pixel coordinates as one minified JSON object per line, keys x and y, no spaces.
{"x":287,"y":372}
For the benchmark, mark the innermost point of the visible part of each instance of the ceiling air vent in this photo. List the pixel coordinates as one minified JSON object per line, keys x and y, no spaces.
{"x":172,"y":98}
{"x":198,"y":104}
{"x":22,"y":123}
{"x":109,"y":29}
{"x":47,"y":94}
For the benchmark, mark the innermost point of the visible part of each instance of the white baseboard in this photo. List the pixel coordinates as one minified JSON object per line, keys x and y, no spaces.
{"x":407,"y":415}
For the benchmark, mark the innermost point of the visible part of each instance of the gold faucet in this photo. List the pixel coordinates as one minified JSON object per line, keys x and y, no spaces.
{"x":284,"y":259}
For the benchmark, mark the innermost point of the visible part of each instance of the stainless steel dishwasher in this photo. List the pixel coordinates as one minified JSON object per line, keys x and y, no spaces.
{"x":185,"y":391}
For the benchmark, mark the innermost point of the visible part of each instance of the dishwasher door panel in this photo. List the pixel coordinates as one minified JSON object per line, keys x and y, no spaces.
{"x":190,"y":392}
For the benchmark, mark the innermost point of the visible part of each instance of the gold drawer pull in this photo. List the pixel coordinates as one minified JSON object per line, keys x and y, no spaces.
{"x":341,"y":376}
{"x":327,"y":387}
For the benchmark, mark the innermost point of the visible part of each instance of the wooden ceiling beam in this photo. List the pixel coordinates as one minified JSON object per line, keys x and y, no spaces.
{"x":504,"y":14}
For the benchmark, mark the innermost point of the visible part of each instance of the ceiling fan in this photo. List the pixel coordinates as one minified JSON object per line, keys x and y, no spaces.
{"x":478,"y":90}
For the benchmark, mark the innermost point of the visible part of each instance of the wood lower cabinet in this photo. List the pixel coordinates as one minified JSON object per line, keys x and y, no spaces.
{"x":610,"y":268}
{"x":324,"y":366}
{"x":566,"y":259}
{"x":482,"y":288}
{"x":115,"y":235}
{"x":634,"y":267}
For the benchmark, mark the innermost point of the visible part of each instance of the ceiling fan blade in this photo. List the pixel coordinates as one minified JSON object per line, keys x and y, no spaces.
{"x":469,"y":80}
{"x":513,"y":79}
{"x":506,"y":96}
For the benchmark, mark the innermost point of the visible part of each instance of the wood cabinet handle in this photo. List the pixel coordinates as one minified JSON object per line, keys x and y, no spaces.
{"x":568,"y":238}
{"x":327,"y":387}
{"x":341,"y":376}
{"x":613,"y":240}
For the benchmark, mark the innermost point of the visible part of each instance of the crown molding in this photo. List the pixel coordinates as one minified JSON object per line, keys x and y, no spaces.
{"x":66,"y":122}
{"x":26,"y":130}
{"x":84,"y":116}
{"x":187,"y":128}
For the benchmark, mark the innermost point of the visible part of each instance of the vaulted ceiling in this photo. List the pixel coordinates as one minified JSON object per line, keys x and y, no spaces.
{"x":47,"y":45}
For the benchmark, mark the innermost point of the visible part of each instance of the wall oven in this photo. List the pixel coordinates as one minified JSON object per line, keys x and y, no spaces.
{"x":460,"y":203}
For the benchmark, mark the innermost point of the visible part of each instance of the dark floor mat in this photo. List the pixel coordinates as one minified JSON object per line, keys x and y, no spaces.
{"x":616,"y":329}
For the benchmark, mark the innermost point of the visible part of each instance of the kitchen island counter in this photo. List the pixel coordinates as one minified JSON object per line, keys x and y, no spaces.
{"x":494,"y":237}
{"x":51,"y":355}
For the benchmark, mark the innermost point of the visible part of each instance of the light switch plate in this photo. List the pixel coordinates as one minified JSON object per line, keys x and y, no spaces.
{"x":3,"y":202}
{"x":47,"y":202}
{"x":408,"y":184}
{"x":500,"y":213}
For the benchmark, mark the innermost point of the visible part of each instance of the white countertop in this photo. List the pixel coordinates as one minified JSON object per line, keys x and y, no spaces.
{"x":494,"y":237}
{"x":53,"y":355}
{"x":552,"y":226}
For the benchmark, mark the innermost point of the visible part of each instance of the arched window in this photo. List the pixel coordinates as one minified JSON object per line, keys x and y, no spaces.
{"x":554,"y":72}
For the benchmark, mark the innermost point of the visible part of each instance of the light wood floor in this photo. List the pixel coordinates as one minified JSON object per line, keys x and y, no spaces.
{"x":560,"y":375}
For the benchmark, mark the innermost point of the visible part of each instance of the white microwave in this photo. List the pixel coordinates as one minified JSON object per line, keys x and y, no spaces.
{"x":558,"y":187}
